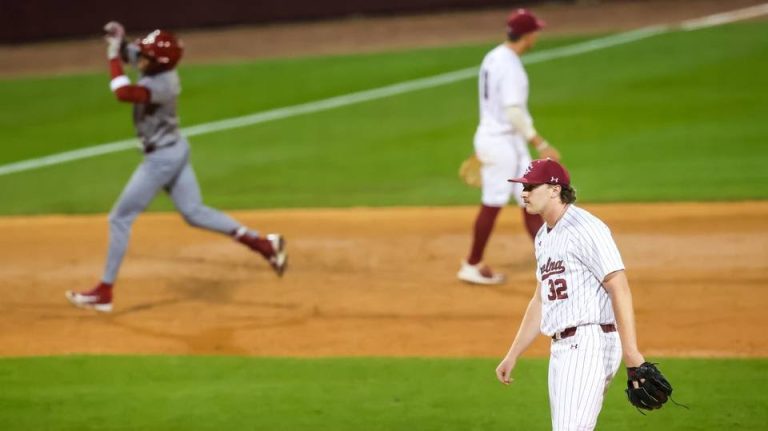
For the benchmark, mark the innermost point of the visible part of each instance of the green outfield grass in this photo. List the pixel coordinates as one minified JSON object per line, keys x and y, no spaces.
{"x":235,"y":393}
{"x":678,"y":116}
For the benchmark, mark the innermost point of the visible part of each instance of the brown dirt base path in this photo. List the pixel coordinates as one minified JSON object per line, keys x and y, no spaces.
{"x":371,"y":282}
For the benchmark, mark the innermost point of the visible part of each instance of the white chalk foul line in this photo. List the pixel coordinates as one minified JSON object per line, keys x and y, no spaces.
{"x":390,"y":90}
{"x":725,"y":17}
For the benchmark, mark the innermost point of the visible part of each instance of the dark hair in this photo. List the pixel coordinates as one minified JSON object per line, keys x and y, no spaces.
{"x":512,"y":37}
{"x":567,"y":194}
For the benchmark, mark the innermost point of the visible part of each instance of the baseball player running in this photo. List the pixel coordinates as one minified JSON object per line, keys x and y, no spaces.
{"x":166,"y":164}
{"x":502,"y":139}
{"x":581,"y":299}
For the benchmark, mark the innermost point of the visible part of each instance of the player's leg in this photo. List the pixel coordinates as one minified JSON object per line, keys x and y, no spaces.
{"x":185,"y":193}
{"x":606,"y":351}
{"x":578,"y":378}
{"x":144,"y":184}
{"x":612,"y":353}
{"x":497,"y":157}
{"x":558,"y":368}
{"x":481,"y":232}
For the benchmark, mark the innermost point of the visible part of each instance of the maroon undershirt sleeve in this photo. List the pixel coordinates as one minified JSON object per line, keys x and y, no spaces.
{"x":127,"y":93}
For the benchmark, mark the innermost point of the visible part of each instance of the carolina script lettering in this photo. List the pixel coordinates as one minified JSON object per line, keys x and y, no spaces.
{"x":551,"y":268}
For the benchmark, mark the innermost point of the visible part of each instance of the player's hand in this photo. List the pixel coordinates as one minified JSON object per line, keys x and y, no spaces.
{"x":634,"y":360}
{"x":114,"y":33}
{"x":504,"y":370}
{"x":549,"y":152}
{"x":114,"y":30}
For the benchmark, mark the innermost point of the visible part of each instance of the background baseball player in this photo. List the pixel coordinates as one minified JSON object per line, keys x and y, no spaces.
{"x":582,"y":297}
{"x":166,"y":163}
{"x":502,"y":138}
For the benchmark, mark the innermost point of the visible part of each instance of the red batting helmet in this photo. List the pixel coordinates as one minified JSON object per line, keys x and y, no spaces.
{"x":162,"y":49}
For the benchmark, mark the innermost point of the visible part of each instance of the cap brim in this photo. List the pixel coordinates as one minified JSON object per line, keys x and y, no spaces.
{"x":519,"y":180}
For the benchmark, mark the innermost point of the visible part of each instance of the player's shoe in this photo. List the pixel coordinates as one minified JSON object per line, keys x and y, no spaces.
{"x":479,"y":274}
{"x":279,"y":256}
{"x":271,"y":247}
{"x":99,"y":298}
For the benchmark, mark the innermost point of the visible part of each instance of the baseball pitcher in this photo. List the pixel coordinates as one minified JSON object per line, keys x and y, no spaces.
{"x":583,"y":303}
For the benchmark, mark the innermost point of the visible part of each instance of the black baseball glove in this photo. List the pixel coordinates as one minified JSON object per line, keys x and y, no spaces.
{"x":653,"y":389}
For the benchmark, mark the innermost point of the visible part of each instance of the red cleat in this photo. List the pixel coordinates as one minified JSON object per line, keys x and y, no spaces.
{"x":99,"y":298}
{"x":271,"y":247}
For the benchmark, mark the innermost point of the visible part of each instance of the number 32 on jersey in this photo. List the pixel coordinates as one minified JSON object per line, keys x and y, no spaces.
{"x":558,"y":289}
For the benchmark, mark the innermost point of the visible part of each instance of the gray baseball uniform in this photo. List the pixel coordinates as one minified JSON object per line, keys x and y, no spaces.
{"x":166,"y":162}
{"x":166,"y":165}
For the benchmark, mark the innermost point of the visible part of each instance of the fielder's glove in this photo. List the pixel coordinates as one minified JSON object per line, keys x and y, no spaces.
{"x":652,"y":389}
{"x":469,"y":171}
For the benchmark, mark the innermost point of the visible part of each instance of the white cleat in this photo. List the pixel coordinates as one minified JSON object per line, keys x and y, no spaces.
{"x":279,"y":258}
{"x":479,"y":274}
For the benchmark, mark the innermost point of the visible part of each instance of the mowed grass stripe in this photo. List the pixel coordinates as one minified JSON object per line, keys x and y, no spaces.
{"x":326,"y":104}
{"x":647,"y":122}
{"x":206,"y":393}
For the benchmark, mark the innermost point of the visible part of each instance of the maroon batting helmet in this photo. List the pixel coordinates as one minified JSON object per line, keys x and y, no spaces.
{"x":162,"y":48}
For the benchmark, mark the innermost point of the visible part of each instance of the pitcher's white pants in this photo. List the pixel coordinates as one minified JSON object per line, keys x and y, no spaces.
{"x":580,"y":369}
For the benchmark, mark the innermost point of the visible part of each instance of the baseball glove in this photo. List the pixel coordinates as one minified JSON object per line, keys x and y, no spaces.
{"x":469,"y":171}
{"x":652,"y":389}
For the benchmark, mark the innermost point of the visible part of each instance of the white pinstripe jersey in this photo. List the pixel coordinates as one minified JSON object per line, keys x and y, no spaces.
{"x":573,"y":259}
{"x":502,"y":83}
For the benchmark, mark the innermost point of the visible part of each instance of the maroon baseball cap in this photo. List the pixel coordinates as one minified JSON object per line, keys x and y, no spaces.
{"x":544,"y":171}
{"x":522,"y":21}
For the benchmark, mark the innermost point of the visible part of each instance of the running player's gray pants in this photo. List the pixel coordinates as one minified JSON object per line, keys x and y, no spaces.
{"x":166,"y":168}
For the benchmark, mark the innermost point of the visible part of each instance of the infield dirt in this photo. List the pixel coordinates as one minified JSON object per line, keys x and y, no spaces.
{"x":371,"y":282}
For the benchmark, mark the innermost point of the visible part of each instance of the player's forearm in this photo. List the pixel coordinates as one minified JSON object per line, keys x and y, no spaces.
{"x":122,"y":87}
{"x":120,"y":84}
{"x":520,"y":120}
{"x":523,"y":124}
{"x":539,"y":143}
{"x":617,"y":286}
{"x":529,"y":328}
{"x":116,"y":68}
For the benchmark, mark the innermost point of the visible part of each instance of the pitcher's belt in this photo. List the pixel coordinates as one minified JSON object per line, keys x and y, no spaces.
{"x":570,"y":332}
